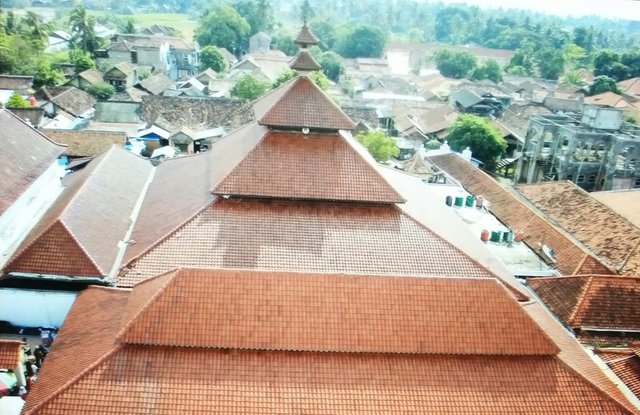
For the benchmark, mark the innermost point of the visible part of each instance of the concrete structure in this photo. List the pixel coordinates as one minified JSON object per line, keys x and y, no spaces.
{"x":597,"y":150}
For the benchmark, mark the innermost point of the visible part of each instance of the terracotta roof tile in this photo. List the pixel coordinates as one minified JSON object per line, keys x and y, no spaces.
{"x":301,"y":103}
{"x":625,"y":363}
{"x":304,"y":236}
{"x":156,"y":84}
{"x":518,"y":215}
{"x":69,"y":99}
{"x":303,"y":61}
{"x":311,"y":166}
{"x":79,"y":235}
{"x":22,"y":160}
{"x":9,"y":354}
{"x":585,"y":218}
{"x":82,"y":143}
{"x":623,"y":202}
{"x":137,"y":380}
{"x":85,"y":337}
{"x":331,"y":313}
{"x":592,"y":302}
{"x":306,"y":37}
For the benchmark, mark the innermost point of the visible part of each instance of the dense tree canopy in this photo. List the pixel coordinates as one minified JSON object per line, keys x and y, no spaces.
{"x":83,"y":29}
{"x":381,"y":146}
{"x":482,"y":138}
{"x":490,"y":69}
{"x":258,"y":13}
{"x":602,"y":84}
{"x":331,"y":65}
{"x":455,"y":64}
{"x":362,"y":41}
{"x":210,"y":57}
{"x":249,"y":87}
{"x":223,"y":27}
{"x":102,"y":90}
{"x":81,"y":60}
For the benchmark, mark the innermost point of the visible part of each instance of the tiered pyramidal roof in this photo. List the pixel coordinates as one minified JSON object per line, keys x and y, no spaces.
{"x":303,"y":62}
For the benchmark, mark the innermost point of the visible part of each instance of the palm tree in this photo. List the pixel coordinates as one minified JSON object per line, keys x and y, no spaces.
{"x":83,"y":29}
{"x":35,"y":29}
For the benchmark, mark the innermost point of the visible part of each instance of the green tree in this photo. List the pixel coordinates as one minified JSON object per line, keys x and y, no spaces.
{"x":249,"y":87}
{"x":452,"y":25}
{"x":32,"y":26}
{"x":522,"y":62}
{"x":320,"y":79}
{"x":325,"y":32}
{"x":81,"y":60}
{"x":45,"y":74}
{"x":210,"y":57}
{"x":550,"y":63}
{"x":362,"y":41}
{"x":331,"y":65}
{"x":102,"y":90}
{"x":283,"y":40}
{"x":284,"y":77}
{"x":381,"y":147}
{"x":602,"y":84}
{"x":306,"y":11}
{"x":83,"y":29}
{"x":482,"y":138}
{"x":455,"y":64}
{"x":129,"y":26}
{"x":16,"y":101}
{"x":258,"y":13}
{"x":572,"y":78}
{"x":490,"y":69}
{"x":223,"y":27}
{"x":603,"y":60}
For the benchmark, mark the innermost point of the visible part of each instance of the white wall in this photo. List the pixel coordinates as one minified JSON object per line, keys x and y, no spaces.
{"x":35,"y":308}
{"x":17,"y":221}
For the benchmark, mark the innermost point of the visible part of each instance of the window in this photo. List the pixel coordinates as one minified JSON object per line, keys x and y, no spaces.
{"x":591,"y":179}
{"x":581,"y":178}
{"x":636,"y":183}
{"x":569,"y":177}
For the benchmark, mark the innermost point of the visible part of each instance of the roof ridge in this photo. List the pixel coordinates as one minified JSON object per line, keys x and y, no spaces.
{"x":256,"y":145}
{"x":628,"y":408}
{"x":168,"y":234}
{"x":518,"y":295}
{"x":579,"y":301}
{"x":73,"y":381}
{"x":33,"y":129}
{"x":82,"y":248}
{"x":125,"y":327}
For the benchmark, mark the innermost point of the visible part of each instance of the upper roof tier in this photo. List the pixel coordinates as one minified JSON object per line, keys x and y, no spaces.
{"x":305,"y":37}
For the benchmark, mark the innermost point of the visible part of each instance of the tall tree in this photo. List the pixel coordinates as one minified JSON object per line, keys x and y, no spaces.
{"x":225,"y":28}
{"x":35,"y":30}
{"x":482,"y":138}
{"x":83,"y":29}
{"x":258,"y":13}
{"x":362,"y":41}
{"x":331,"y":65}
{"x":249,"y":87}
{"x":455,"y":64}
{"x":210,"y":57}
{"x":550,"y":63}
{"x":490,"y":69}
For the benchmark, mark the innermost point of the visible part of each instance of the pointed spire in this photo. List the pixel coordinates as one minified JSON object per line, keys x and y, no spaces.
{"x":305,"y":38}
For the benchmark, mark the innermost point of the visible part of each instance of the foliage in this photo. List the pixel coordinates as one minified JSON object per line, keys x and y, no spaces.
{"x":283,"y":40}
{"x":83,"y":29}
{"x":284,"y":77}
{"x":223,"y":27}
{"x":381,"y":147}
{"x":16,"y":101}
{"x":258,"y":13}
{"x":482,"y":138}
{"x":362,"y":41}
{"x":550,"y":63}
{"x":455,"y":64}
{"x":433,"y":144}
{"x":331,"y":65}
{"x":306,"y":11}
{"x":602,"y":84}
{"x":143,"y":73}
{"x":320,"y":79}
{"x":102,"y":90}
{"x":249,"y":87}
{"x":81,"y":60}
{"x":45,"y":74}
{"x":452,"y":25}
{"x":210,"y":57}
{"x":325,"y":32}
{"x":35,"y":30}
{"x":572,"y":78}
{"x":129,"y":26}
{"x":490,"y":69}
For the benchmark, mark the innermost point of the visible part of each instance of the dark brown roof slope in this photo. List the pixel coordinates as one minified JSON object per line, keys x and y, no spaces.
{"x":156,"y":84}
{"x":515,"y":213}
{"x":83,"y":143}
{"x":333,"y":313}
{"x":610,"y":236}
{"x":302,"y":104}
{"x":9,"y":354}
{"x":303,"y":61}
{"x":304,"y":236}
{"x":16,"y":82}
{"x":79,"y":235}
{"x":308,"y":166}
{"x":600,"y":302}
{"x":305,"y":37}
{"x":25,"y":155}
{"x":69,"y":99}
{"x":625,"y":363}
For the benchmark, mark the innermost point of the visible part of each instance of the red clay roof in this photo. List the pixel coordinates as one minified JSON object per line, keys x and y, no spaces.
{"x":79,"y":235}
{"x":607,"y":234}
{"x":331,"y":313}
{"x":569,"y":255}
{"x":301,"y":103}
{"x":304,"y":236}
{"x":303,"y":61}
{"x":305,"y":37}
{"x":601,"y":302}
{"x":9,"y":354}
{"x":87,"y":372}
{"x":25,"y":155}
{"x":83,"y":143}
{"x":625,"y":363}
{"x":308,"y":166}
